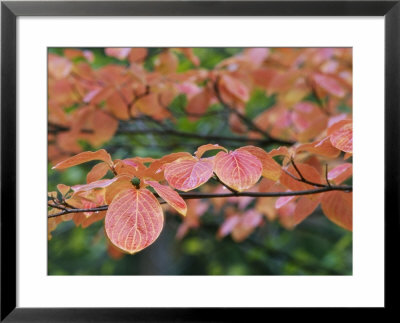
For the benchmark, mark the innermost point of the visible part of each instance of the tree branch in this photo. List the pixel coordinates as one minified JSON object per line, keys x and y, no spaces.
{"x":302,"y":179}
{"x":123,"y":129}
{"x":188,"y":196}
{"x":67,"y":211}
{"x":176,"y":133}
{"x":250,"y":124}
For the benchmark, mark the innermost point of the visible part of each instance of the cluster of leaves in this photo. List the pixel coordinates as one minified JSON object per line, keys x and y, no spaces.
{"x":309,"y":124}
{"x":134,"y":217}
{"x":310,"y":87}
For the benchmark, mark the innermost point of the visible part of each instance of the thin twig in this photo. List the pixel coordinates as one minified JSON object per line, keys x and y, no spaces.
{"x":326,"y":175}
{"x":67,"y":211}
{"x":301,"y":179}
{"x":297,"y":170}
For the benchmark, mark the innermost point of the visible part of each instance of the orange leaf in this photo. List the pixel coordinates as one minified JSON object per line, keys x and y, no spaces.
{"x":329,"y":84}
{"x":338,"y":207}
{"x":309,"y":120}
{"x":286,"y":215}
{"x":52,"y":222}
{"x":281,"y":151}
{"x":62,"y":92}
{"x":78,"y":218}
{"x":283,"y":200}
{"x":83,"y":70}
{"x":149,"y":105}
{"x":187,"y":174}
{"x":96,"y":216}
{"x":88,"y":205}
{"x":315,"y":162}
{"x":308,"y":172}
{"x":343,"y":138}
{"x":202,"y":149}
{"x":271,"y":169}
{"x":198,"y":104}
{"x":81,"y":119}
{"x":167,"y":62}
{"x":228,"y":225}
{"x":321,"y":147}
{"x":120,"y":53}
{"x":236,"y":124}
{"x":134,"y":220}
{"x":97,"y":172}
{"x":87,"y":200}
{"x":83,"y":158}
{"x":234,"y":88}
{"x":137,"y":54}
{"x":315,"y":127}
{"x":256,"y":56}
{"x":117,"y":106}
{"x":304,"y":208}
{"x":97,"y":184}
{"x":156,"y":169}
{"x":63,"y":189}
{"x":129,"y":167}
{"x":98,"y":95}
{"x":336,"y":125}
{"x":265,"y":185}
{"x":238,"y":169}
{"x":170,"y":196}
{"x":72,"y":53}
{"x":67,"y":141}
{"x":340,"y":173}
{"x":104,"y":128}
{"x":267,"y":205}
{"x":59,"y":67}
{"x":248,"y":222}
{"x":122,"y":183}
{"x":264,"y":76}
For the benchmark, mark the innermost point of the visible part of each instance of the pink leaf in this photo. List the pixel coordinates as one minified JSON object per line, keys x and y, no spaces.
{"x":170,"y":196}
{"x":134,"y":220}
{"x":187,"y":174}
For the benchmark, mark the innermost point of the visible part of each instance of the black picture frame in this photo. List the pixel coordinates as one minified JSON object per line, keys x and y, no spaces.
{"x":11,"y":10}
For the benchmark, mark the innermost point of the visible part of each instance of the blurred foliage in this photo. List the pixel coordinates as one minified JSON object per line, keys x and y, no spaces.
{"x":315,"y":247}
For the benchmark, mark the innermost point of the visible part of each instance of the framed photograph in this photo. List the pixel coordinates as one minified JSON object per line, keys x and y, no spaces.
{"x":196,"y":158}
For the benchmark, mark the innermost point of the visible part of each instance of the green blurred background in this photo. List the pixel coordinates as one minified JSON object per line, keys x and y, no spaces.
{"x":315,"y":247}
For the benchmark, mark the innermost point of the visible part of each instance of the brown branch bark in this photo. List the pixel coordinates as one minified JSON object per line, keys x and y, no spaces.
{"x":188,"y":196}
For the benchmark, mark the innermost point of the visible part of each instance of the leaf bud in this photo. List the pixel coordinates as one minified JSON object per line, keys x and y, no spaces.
{"x":136,"y":182}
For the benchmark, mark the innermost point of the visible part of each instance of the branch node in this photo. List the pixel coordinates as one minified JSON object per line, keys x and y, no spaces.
{"x":297,"y":170}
